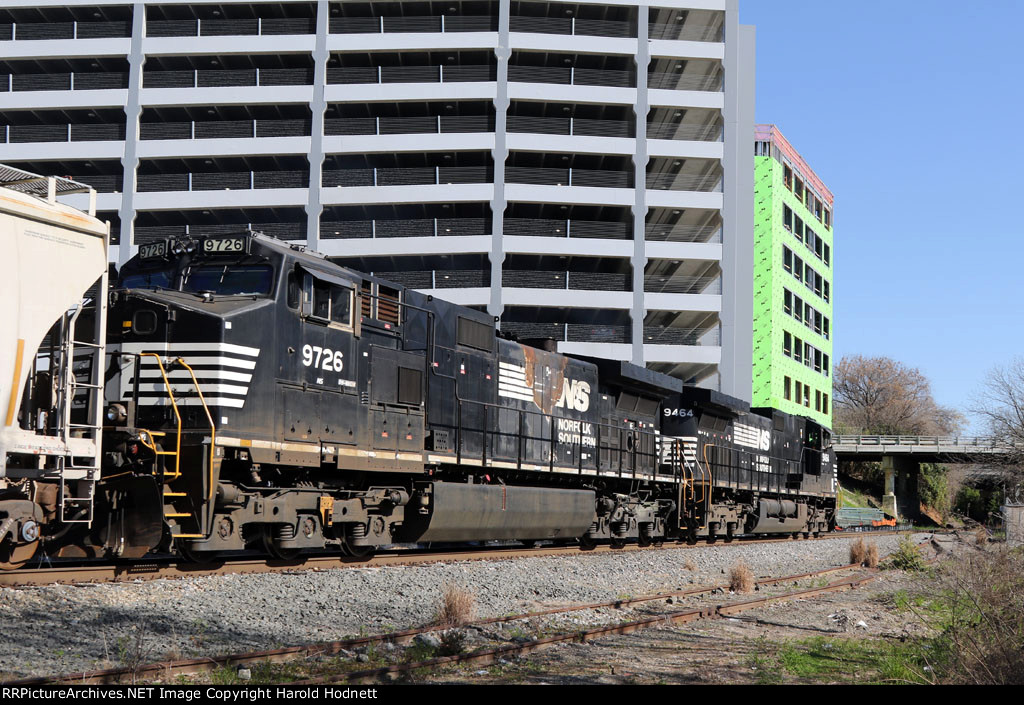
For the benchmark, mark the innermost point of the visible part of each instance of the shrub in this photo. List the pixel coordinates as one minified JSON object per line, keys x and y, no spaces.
{"x":906,"y":557}
{"x":977,"y":610}
{"x":741,"y":580}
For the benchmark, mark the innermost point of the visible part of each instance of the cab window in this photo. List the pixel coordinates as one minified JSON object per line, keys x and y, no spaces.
{"x":327,"y":302}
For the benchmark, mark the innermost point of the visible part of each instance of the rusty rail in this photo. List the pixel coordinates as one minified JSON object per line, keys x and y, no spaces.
{"x":172,"y":669}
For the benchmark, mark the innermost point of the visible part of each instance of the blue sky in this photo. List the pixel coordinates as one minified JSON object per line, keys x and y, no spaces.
{"x":911,"y":112}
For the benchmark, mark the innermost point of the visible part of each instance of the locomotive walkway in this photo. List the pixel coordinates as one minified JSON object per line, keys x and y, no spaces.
{"x":901,"y":457}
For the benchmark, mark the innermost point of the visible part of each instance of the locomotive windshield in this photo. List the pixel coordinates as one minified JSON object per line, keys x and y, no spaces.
{"x":222,"y":279}
{"x":229,"y":279}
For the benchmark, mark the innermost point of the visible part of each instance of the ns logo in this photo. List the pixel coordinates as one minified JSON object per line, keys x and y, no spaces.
{"x":575,"y":395}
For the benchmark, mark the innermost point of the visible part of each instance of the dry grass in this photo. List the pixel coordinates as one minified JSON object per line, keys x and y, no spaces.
{"x":741,"y":580}
{"x":858,"y":552}
{"x":456,"y":608}
{"x":976,"y":607}
{"x":871,"y":555}
{"x":981,"y":537}
{"x":689,"y":565}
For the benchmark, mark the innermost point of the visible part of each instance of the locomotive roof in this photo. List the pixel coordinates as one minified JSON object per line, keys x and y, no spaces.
{"x":715,"y":401}
{"x":315,"y":260}
{"x":638,"y":377}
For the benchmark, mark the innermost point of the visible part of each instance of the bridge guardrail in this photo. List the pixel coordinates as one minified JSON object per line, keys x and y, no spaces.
{"x":954,"y":443}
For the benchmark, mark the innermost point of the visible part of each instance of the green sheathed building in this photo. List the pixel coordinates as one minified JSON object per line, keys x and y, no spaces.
{"x":793,"y":275}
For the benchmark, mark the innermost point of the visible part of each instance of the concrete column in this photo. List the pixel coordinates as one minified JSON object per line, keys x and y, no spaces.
{"x":499,"y":155}
{"x":132,"y":112}
{"x":639,"y":259}
{"x":889,"y":497}
{"x":318,"y":111}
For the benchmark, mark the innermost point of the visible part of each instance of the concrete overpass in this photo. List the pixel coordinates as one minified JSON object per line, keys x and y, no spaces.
{"x":901,"y":457}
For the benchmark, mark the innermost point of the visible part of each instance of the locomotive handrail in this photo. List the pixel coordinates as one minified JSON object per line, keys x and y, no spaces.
{"x":177,"y":414}
{"x":177,"y":450}
{"x":209,"y":417}
{"x":488,"y":432}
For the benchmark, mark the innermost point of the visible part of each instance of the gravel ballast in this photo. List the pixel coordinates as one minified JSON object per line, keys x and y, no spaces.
{"x":62,"y":629}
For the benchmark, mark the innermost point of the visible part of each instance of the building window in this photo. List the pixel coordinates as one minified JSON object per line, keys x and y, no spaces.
{"x":787,"y":302}
{"x":798,"y":268}
{"x":824,"y":327}
{"x":798,"y":349}
{"x":787,"y":177}
{"x":807,"y":396}
{"x":785,"y":388}
{"x":824,"y":403}
{"x":824,"y":365}
{"x":817,"y":209}
{"x":827,"y":255}
{"x":787,"y":345}
{"x":787,"y":218}
{"x":798,"y":189}
{"x":798,"y":308}
{"x":828,"y":219}
{"x":825,"y":290}
{"x":787,"y":259}
{"x":798,"y":228}
{"x":817,"y":400}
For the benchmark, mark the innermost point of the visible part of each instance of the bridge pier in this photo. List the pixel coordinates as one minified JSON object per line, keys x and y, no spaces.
{"x":889,"y":495}
{"x":901,"y":496}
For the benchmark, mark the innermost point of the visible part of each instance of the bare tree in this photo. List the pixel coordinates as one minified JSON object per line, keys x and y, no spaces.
{"x":1000,"y":402}
{"x":883,"y":396}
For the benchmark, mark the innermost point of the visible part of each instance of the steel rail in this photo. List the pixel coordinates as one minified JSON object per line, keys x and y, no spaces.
{"x":168,"y":569}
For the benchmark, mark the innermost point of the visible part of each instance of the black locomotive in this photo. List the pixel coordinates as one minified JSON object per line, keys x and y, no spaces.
{"x":261,"y":396}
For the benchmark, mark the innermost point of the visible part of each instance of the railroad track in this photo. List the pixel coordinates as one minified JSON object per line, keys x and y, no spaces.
{"x":168,"y":671}
{"x":76,"y":573}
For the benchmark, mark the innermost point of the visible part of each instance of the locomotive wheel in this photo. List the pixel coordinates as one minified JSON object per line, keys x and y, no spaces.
{"x":348,"y":548}
{"x":191,"y":556}
{"x":271,"y":547}
{"x":644,"y":541}
{"x":587,"y":543}
{"x":13,"y":556}
{"x":617,"y":542}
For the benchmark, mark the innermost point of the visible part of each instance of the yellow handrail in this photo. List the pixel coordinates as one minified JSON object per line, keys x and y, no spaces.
{"x":177,"y":414}
{"x":209,"y":417}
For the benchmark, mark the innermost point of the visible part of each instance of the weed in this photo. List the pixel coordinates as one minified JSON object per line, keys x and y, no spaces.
{"x":871,"y":557}
{"x":857,"y":552}
{"x":906,"y":557}
{"x":456,"y":608}
{"x":741,"y":580}
{"x":689,"y":565}
{"x":453,"y":642}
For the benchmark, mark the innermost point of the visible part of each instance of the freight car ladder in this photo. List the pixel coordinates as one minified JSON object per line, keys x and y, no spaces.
{"x":86,"y":394}
{"x":184,"y":496}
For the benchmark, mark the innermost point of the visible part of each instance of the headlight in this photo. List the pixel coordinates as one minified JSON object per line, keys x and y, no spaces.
{"x":116,"y":413}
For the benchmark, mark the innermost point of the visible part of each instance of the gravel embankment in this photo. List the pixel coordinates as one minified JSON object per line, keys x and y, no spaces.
{"x":61,"y":629}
